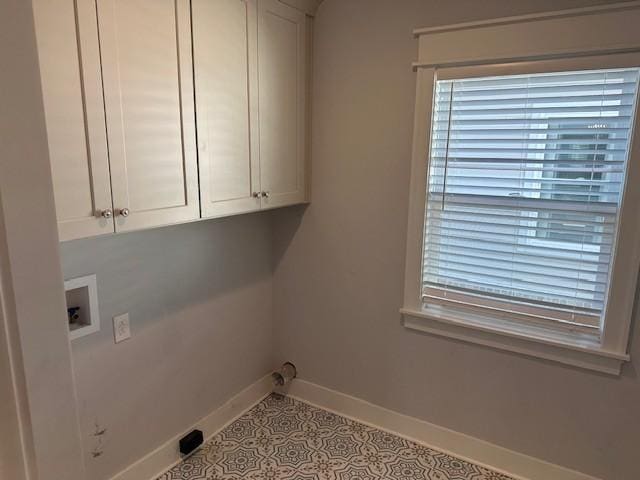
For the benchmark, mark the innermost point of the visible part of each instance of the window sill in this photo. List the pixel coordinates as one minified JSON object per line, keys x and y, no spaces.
{"x":587,"y":354}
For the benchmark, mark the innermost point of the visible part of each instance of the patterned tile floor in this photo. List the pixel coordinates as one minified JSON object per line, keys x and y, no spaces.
{"x":281,"y":438}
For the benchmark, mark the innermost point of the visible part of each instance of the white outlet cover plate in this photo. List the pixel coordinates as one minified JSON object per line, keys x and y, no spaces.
{"x":121,"y":329}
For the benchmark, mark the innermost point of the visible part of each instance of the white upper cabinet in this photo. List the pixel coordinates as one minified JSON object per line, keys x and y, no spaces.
{"x":72,"y":91}
{"x":124,"y":97}
{"x":250,"y":64}
{"x":148,"y":92}
{"x":224,"y":45}
{"x":282,"y":92}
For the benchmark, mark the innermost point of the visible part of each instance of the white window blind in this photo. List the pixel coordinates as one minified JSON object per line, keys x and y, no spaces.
{"x":525,"y":183}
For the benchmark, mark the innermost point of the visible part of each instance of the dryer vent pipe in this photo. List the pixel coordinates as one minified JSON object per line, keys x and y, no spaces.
{"x":284,"y":375}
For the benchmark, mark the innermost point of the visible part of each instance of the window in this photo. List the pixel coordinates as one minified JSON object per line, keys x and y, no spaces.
{"x":525,"y":186}
{"x":523,"y":224}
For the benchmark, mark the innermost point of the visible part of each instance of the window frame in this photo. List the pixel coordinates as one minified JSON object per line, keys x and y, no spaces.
{"x":606,"y":354}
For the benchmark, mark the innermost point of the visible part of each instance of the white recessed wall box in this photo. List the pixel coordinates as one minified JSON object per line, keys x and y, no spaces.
{"x":82,"y":306}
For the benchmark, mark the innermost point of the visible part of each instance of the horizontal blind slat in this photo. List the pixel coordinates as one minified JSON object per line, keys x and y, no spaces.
{"x":610,"y":95}
{"x":542,"y":252}
{"x":481,"y":285}
{"x":430,"y":290}
{"x":495,"y":215}
{"x":528,"y":231}
{"x":505,"y":269}
{"x":506,"y":133}
{"x":505,"y":167}
{"x":505,"y":203}
{"x":568,"y":121}
{"x":532,"y":149}
{"x":582,"y":320}
{"x":523,"y":261}
{"x":438,"y":161}
{"x":538,"y":141}
{"x":548,"y":113}
{"x":505,"y":239}
{"x":452,"y":175}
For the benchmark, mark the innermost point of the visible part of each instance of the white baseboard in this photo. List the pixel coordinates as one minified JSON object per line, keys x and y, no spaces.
{"x":463,"y":446}
{"x":480,"y":452}
{"x":166,"y":456}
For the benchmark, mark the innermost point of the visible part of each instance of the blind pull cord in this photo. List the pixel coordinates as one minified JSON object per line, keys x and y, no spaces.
{"x":446,"y":150}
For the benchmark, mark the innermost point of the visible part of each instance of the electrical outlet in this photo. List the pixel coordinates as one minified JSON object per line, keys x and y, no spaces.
{"x":121,"y":330}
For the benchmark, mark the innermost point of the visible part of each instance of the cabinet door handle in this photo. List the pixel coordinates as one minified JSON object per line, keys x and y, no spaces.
{"x":257,"y":194}
{"x":108,"y":213}
{"x":265,"y":194}
{"x":124,"y":212}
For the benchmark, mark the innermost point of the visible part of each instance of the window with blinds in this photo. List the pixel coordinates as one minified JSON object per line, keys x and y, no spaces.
{"x":525,"y":184}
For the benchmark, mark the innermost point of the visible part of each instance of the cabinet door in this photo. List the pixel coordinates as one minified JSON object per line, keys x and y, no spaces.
{"x":148,"y":90}
{"x":67,"y":36}
{"x":282,"y":94}
{"x":224,"y":49}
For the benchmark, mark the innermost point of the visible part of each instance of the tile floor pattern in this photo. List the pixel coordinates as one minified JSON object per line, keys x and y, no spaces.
{"x":281,"y":438}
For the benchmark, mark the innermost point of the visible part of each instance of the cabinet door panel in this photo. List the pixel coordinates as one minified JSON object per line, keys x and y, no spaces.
{"x":67,"y":36}
{"x":147,"y":70}
{"x":224,"y":45}
{"x":282,"y":96}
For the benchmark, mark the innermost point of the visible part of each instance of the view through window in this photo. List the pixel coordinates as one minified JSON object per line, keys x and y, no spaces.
{"x":525,"y":185}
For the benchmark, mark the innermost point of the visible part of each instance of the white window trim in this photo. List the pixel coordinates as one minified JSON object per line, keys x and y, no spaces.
{"x":602,"y":37}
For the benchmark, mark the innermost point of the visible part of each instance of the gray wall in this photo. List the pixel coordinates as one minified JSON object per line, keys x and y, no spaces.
{"x":199,"y":297}
{"x":339,"y":264}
